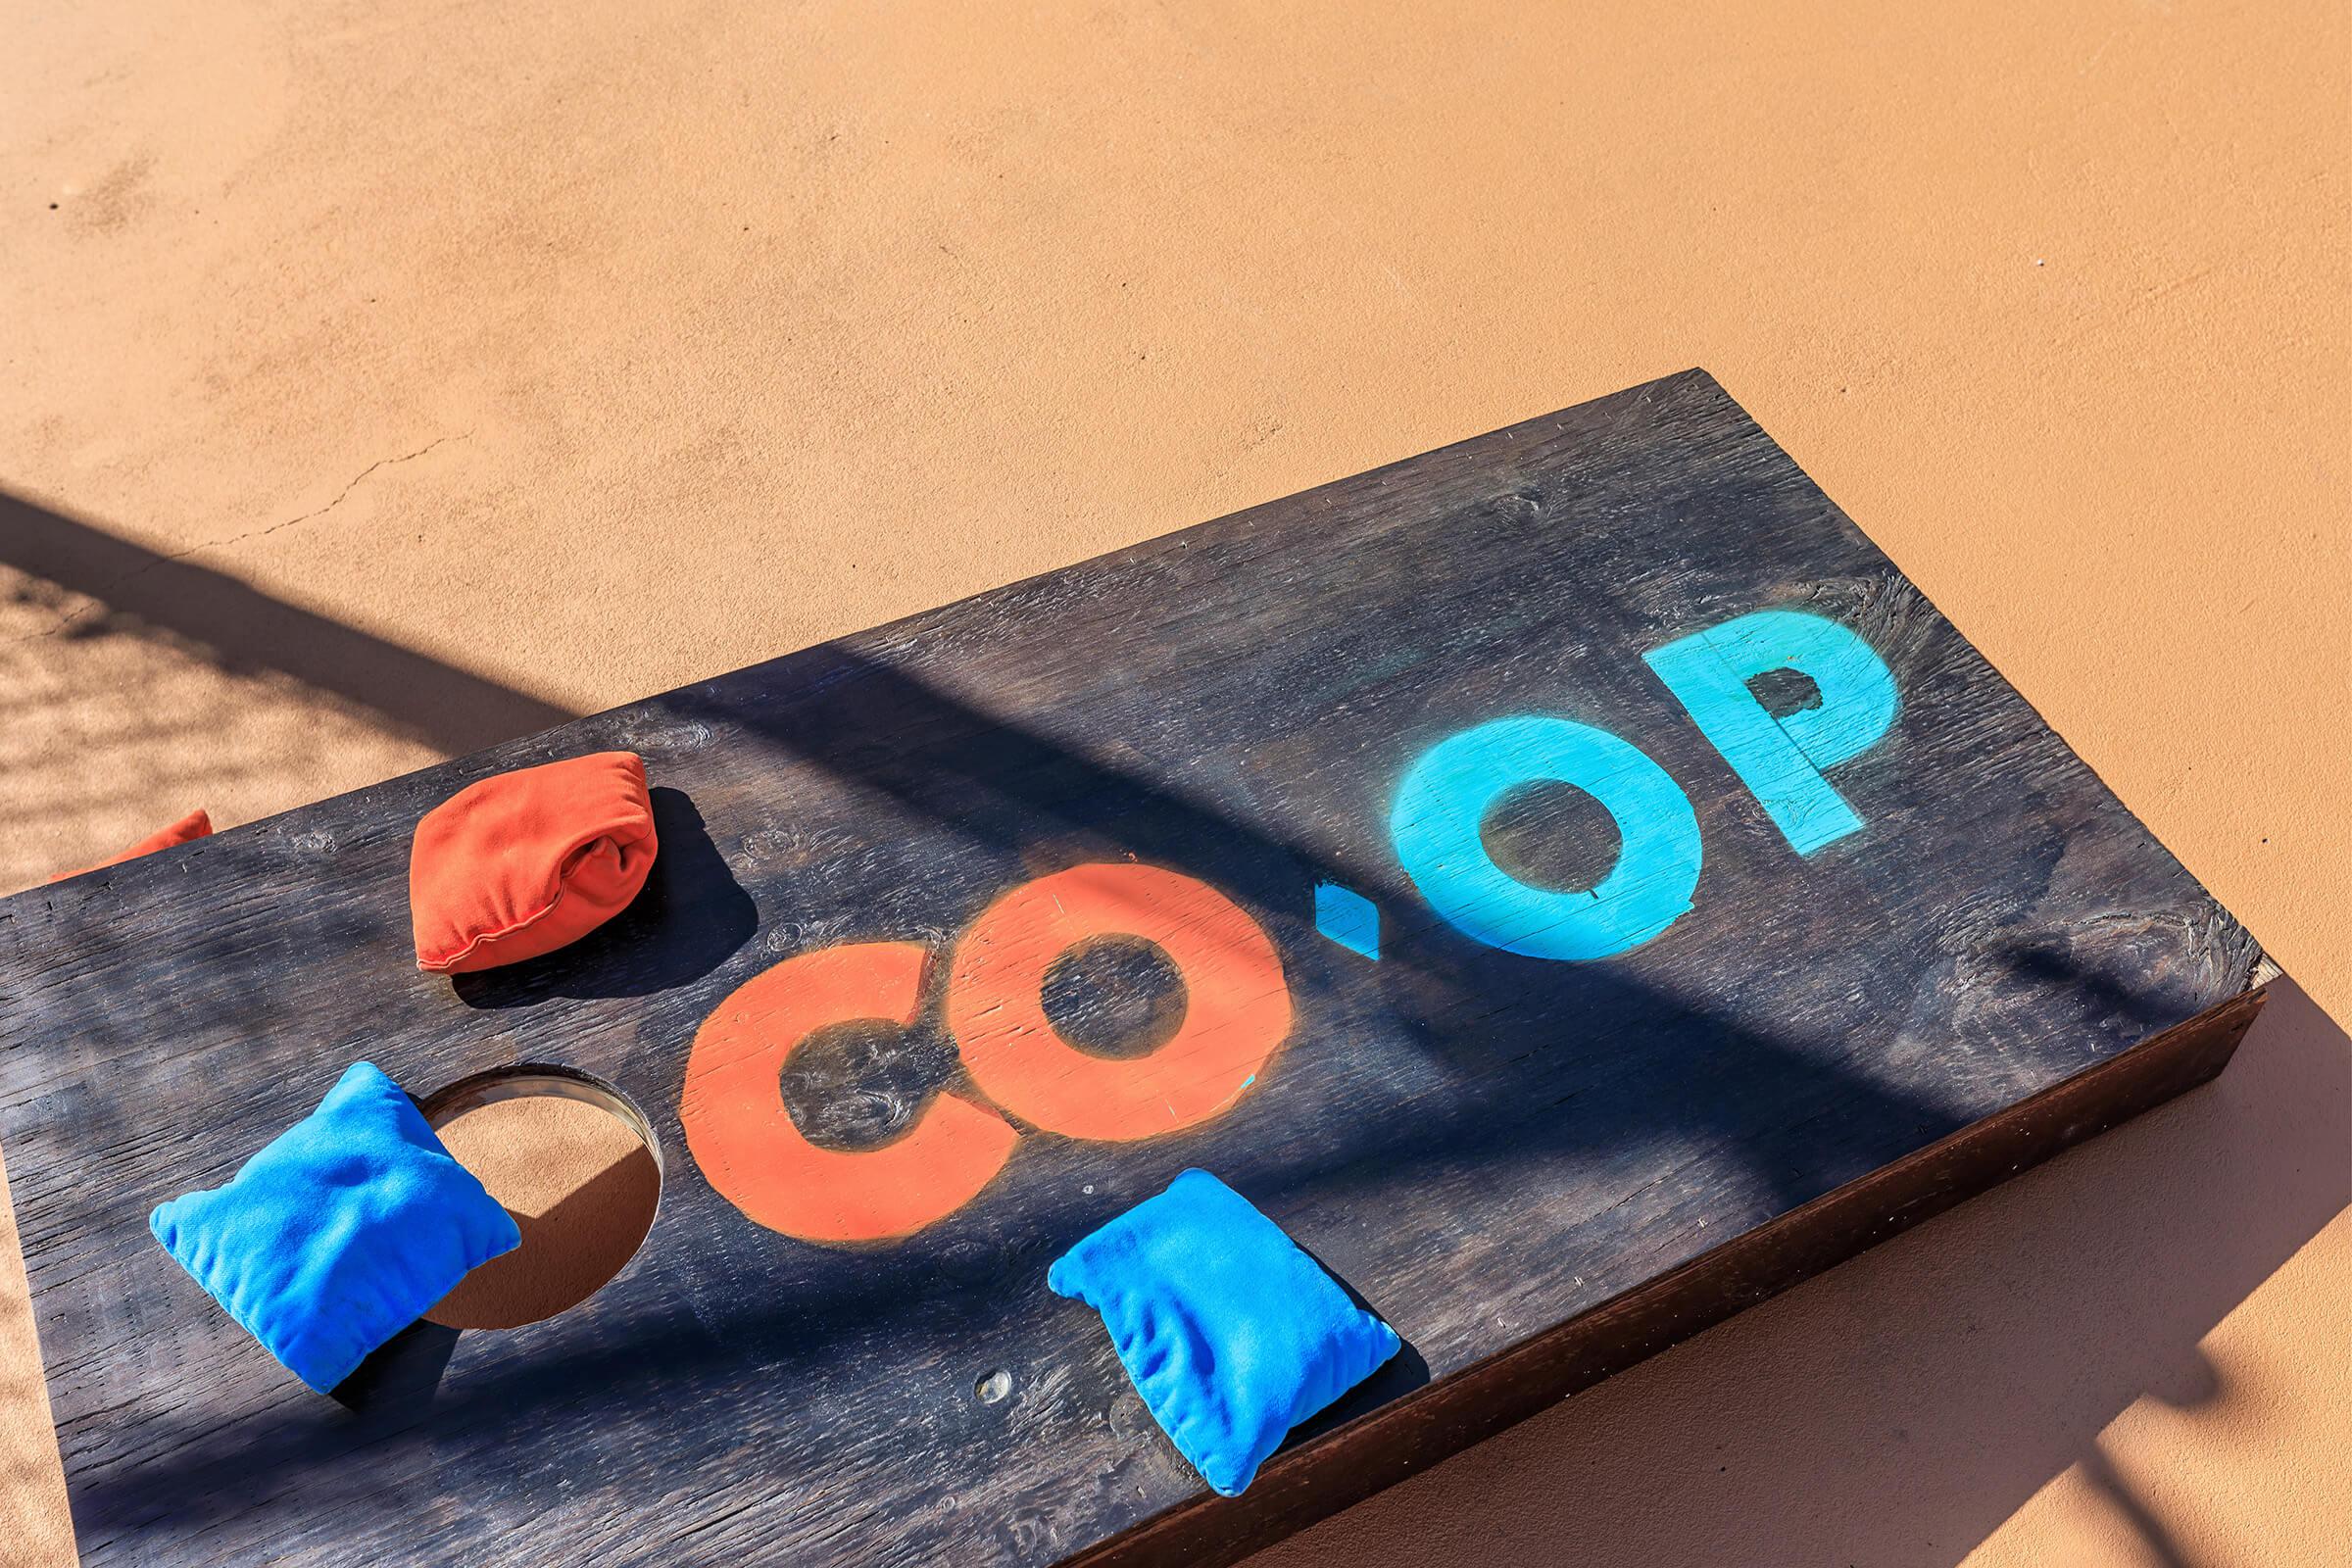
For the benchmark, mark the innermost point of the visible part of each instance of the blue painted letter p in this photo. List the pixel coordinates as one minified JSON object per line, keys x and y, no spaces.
{"x":1781,"y":760}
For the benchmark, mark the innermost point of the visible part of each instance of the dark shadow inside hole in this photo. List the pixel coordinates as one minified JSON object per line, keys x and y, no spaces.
{"x":573,"y":1161}
{"x":1781,"y":692}
{"x":1118,"y":996}
{"x":1551,"y":835}
{"x":856,"y":1084}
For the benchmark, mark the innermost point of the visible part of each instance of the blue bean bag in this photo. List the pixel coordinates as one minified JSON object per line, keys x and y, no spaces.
{"x":1232,"y":1334}
{"x":340,"y":1233}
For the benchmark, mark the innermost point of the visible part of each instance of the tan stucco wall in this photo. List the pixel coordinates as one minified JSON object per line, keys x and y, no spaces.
{"x":586,"y":349}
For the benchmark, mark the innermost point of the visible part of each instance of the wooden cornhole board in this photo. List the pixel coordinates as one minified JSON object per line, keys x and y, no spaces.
{"x":1544,"y":1130}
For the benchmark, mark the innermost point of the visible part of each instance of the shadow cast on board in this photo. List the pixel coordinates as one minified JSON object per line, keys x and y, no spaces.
{"x":689,"y":918}
{"x":1988,"y":1378}
{"x":1018,"y":791}
{"x":1900,"y":1408}
{"x":1001,"y":784}
{"x":1400,"y":1373}
{"x":395,"y":1385}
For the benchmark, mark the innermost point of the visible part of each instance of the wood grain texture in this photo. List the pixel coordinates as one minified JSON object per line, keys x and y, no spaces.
{"x":1543,"y":1166}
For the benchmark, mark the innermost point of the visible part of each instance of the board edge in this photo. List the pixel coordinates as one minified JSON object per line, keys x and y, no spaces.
{"x":1390,"y":1445}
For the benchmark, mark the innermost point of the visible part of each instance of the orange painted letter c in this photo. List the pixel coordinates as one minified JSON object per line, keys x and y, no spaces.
{"x":745,"y":1140}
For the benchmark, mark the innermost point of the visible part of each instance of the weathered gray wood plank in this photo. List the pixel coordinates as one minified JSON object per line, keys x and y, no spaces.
{"x":1536,"y":1170}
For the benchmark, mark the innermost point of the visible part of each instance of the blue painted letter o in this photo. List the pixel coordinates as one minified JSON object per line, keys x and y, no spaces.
{"x":1446,"y":797}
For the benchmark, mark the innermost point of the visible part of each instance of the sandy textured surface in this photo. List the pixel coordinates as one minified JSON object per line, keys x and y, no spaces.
{"x":582,"y":1187}
{"x":381,"y":379}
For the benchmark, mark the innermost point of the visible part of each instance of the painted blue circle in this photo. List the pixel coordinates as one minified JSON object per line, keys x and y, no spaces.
{"x":1447,"y":793}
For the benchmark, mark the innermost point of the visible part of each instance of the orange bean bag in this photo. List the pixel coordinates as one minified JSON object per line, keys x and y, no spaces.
{"x":519,"y":864}
{"x":194,"y":825}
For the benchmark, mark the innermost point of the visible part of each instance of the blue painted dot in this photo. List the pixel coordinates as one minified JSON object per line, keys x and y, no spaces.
{"x":1348,"y":919}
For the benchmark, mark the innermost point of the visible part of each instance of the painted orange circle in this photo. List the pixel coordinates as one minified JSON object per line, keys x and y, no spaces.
{"x":745,"y":1142}
{"x":1237,"y":1003}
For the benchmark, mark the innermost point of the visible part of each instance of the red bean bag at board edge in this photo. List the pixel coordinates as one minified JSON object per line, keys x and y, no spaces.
{"x":517,"y":865}
{"x":194,"y":825}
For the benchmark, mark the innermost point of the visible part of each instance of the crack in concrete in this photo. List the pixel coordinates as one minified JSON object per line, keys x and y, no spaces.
{"x":97,"y":596}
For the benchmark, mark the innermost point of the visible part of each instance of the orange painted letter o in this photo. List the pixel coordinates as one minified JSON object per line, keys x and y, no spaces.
{"x":745,"y":1140}
{"x":1237,"y":1003}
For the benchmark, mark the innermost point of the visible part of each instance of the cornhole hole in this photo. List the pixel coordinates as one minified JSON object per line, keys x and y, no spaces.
{"x":1570,"y":881}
